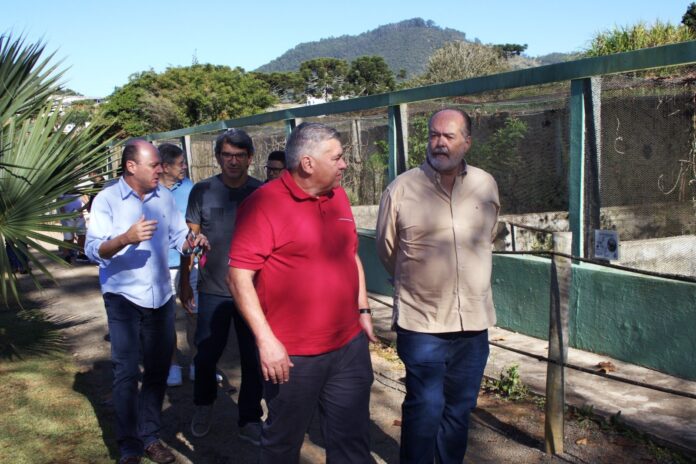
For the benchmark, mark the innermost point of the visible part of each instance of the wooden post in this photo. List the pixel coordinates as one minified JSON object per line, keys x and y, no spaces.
{"x":561,"y":273}
{"x":188,"y":154}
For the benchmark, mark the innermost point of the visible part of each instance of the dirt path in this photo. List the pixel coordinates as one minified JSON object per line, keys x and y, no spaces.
{"x":502,"y":432}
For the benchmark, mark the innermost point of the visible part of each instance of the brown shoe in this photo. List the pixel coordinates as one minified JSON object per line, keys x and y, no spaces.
{"x":159,"y":453}
{"x":129,"y":460}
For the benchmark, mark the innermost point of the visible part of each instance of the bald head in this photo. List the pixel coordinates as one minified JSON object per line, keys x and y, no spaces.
{"x":459,"y":115}
{"x":132,"y":150}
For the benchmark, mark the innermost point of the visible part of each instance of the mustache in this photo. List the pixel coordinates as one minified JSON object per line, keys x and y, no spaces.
{"x":439,"y":151}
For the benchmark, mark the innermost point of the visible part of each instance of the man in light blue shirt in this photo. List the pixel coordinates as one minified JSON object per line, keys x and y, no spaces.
{"x":133,"y":224}
{"x":173,"y":178}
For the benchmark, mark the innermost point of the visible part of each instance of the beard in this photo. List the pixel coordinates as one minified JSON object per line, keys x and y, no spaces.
{"x":444,"y":163}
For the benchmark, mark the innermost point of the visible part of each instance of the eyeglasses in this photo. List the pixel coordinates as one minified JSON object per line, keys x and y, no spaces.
{"x":272,"y":170}
{"x":238,"y":156}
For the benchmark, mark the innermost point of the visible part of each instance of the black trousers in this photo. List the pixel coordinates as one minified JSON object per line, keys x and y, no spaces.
{"x":338,"y":383}
{"x":215,"y":314}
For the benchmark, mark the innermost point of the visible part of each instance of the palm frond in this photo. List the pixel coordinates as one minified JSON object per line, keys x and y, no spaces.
{"x":26,"y":79}
{"x":41,"y":161}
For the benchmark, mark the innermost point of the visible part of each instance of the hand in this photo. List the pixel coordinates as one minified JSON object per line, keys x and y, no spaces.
{"x":275,"y":362}
{"x":141,"y":230}
{"x":186,"y":297}
{"x":366,"y":324}
{"x":200,"y":241}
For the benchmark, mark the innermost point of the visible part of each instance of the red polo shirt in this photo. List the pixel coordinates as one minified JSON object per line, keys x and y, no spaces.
{"x":303,"y":248}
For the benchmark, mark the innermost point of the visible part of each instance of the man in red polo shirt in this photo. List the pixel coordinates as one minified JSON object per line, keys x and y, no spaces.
{"x":297,"y":280}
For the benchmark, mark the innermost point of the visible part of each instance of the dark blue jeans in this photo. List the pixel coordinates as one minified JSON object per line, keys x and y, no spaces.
{"x":338,"y":382}
{"x":137,"y":334}
{"x":443,"y":377}
{"x":215,"y":314}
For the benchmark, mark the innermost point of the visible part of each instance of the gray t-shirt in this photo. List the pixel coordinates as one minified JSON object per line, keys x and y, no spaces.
{"x":213,"y":206}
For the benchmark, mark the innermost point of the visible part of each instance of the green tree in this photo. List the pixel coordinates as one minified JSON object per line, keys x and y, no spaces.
{"x":499,"y":155}
{"x":689,"y":18}
{"x":325,"y":77}
{"x":417,"y":145}
{"x":417,"y":140}
{"x":184,"y":96}
{"x":126,"y":111}
{"x":286,"y":86}
{"x":207,"y":93}
{"x":39,"y":160}
{"x":369,"y":75}
{"x":509,"y":50}
{"x":461,"y":60}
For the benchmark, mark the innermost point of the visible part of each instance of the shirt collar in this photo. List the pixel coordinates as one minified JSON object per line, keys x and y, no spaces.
{"x":175,"y":185}
{"x":125,"y":190}
{"x":297,"y":192}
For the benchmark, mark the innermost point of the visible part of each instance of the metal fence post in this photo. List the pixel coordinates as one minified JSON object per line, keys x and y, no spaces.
{"x":576,"y":176}
{"x":398,"y":140}
{"x":290,"y":124}
{"x":558,"y":343}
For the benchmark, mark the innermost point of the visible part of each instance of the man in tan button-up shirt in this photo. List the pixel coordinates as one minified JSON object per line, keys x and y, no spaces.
{"x":434,"y":235}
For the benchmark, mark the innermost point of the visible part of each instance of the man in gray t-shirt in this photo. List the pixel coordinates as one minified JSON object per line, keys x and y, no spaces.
{"x":212,"y":209}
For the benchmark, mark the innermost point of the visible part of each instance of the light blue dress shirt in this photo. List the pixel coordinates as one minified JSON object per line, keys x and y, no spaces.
{"x":138,"y":272}
{"x":180,"y":190}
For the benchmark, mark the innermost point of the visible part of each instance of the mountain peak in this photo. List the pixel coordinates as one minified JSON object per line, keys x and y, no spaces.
{"x":404,"y":45}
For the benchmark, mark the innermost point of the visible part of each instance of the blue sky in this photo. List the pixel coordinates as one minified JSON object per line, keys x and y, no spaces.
{"x":103,"y":42}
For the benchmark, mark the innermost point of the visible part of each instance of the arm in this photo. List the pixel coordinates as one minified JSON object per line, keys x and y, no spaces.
{"x":275,"y":362}
{"x":185,"y":290}
{"x":365,"y":319}
{"x":387,"y":238}
{"x":496,"y":204}
{"x":138,"y":232}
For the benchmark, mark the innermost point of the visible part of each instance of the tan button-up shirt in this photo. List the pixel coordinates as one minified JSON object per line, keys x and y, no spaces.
{"x":439,"y":249}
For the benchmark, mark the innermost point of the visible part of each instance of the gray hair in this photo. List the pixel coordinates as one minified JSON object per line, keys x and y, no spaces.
{"x":303,"y":141}
{"x":169,"y":152}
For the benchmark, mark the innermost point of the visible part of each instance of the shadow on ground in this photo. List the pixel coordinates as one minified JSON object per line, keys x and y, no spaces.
{"x":28,"y":331}
{"x":95,"y":385}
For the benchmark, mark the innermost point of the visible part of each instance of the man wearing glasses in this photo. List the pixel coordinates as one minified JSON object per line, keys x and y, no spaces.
{"x":275,"y":165}
{"x":212,"y":210}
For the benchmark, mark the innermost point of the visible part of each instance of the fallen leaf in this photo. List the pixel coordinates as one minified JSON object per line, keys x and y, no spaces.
{"x":396,"y":423}
{"x":606,"y":367}
{"x":498,"y":339}
{"x":581,"y":441}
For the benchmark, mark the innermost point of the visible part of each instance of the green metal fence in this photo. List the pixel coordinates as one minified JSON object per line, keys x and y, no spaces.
{"x":563,"y":182}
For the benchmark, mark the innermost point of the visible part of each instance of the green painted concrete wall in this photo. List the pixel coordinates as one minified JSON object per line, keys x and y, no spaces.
{"x":639,"y":319}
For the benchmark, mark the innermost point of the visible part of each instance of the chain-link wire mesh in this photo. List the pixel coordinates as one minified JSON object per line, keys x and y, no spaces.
{"x":647,"y":171}
{"x":645,"y":174}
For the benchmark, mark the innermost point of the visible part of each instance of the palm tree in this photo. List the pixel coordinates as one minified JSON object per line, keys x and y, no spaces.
{"x":39,"y":160}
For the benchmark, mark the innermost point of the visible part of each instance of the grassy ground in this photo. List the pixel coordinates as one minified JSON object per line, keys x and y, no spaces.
{"x":43,"y":418}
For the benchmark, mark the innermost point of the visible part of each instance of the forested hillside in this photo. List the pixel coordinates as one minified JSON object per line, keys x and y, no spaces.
{"x":403,"y":45}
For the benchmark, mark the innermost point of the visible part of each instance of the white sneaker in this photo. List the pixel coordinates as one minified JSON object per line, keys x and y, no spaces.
{"x":202,"y":418}
{"x":251,"y":433}
{"x":174,"y":378}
